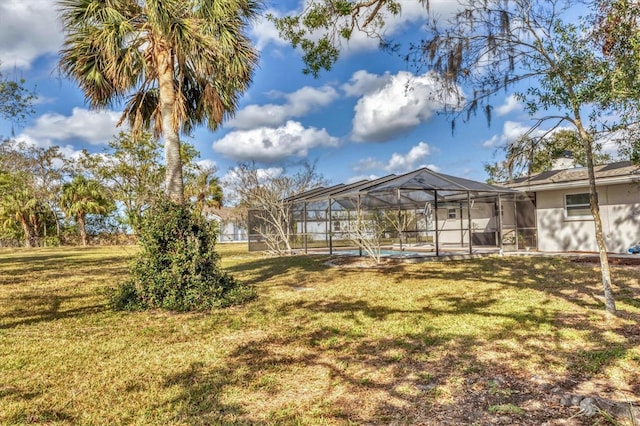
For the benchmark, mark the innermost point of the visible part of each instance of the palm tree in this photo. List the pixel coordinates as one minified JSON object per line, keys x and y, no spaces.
{"x":176,"y":63}
{"x":204,"y":189}
{"x":22,"y":207}
{"x":19,"y":204}
{"x":82,"y":196}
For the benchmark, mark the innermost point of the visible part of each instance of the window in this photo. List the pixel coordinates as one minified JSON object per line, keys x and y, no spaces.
{"x":452,"y":213}
{"x":577,"y":205}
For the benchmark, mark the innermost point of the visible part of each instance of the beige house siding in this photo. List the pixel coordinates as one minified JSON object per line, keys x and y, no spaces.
{"x":619,"y":209}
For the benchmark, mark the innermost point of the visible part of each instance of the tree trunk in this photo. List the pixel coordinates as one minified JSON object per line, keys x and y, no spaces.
{"x":82,"y":229}
{"x":28,"y":235}
{"x":609,"y":300}
{"x":167,"y":95}
{"x":35,"y":233}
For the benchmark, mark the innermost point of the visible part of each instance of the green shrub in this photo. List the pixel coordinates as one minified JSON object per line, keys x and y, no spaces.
{"x":178,"y":268}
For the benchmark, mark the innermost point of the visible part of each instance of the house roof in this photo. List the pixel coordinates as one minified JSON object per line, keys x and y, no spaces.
{"x":228,"y":213}
{"x":620,"y":172}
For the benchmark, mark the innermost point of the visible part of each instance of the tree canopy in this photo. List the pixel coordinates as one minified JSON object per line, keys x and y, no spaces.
{"x":174,"y":63}
{"x":82,"y":197}
{"x":16,"y":101}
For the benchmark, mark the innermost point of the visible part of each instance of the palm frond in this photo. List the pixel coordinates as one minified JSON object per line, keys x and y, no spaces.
{"x":111,"y":51}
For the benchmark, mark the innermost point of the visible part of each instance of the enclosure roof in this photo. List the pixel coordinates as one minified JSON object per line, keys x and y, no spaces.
{"x":410,"y":189}
{"x":426,"y":179}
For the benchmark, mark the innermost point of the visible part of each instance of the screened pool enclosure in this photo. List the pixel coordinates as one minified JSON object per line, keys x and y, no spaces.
{"x":422,"y":212}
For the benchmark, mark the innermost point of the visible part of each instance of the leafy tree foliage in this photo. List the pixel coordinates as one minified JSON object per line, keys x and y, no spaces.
{"x":617,"y":30}
{"x":16,"y":101}
{"x":203,"y":188}
{"x":325,"y":25}
{"x":492,"y":45}
{"x":82,"y":197}
{"x":178,"y":268}
{"x":19,"y":206}
{"x":177,"y":63}
{"x":32,"y":177}
{"x":528,"y":155}
{"x":131,"y":170}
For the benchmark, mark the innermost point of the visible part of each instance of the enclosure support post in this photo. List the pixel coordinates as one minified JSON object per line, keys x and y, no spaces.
{"x":400,"y":227}
{"x":515,"y":209}
{"x":469,"y":221}
{"x":359,"y":216}
{"x":500,"y":224}
{"x":435,"y":208}
{"x":330,"y":229}
{"x":306,"y":251}
{"x":461,"y":223}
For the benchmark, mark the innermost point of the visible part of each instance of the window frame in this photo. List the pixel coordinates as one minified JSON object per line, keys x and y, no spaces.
{"x":580,"y":207}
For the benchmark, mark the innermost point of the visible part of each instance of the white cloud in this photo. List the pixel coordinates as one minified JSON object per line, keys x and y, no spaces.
{"x":231,"y":177}
{"x":67,"y":151}
{"x":207,"y":164}
{"x":363,"y":82}
{"x":510,"y":105}
{"x":266,"y":144}
{"x":359,"y":178}
{"x":402,"y":103}
{"x":366,"y":164}
{"x":409,"y":161}
{"x":398,"y":163}
{"x":94,"y":127}
{"x":511,"y":132}
{"x":494,"y":142}
{"x":297,"y":104}
{"x":29,"y":29}
{"x":264,"y":32}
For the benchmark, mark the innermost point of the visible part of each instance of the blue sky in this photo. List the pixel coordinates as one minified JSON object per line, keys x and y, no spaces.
{"x":357,"y":121}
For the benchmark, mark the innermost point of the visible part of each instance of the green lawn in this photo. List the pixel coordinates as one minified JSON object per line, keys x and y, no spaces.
{"x":481,"y":341}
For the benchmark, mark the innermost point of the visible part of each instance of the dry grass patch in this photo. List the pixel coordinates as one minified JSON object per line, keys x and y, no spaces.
{"x":492,"y":340}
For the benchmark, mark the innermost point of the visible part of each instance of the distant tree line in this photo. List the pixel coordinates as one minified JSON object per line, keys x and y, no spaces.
{"x":49,"y":199}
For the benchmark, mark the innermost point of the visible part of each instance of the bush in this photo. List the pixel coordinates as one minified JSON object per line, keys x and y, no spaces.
{"x":178,"y":267}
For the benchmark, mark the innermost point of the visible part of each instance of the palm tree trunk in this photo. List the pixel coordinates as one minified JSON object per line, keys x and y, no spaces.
{"x":609,"y":300}
{"x":167,"y":93}
{"x":28,"y":235}
{"x":82,"y":229}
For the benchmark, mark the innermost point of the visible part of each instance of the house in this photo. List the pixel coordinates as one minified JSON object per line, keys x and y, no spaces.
{"x":562,"y":216}
{"x":423,"y":209}
{"x":231,"y":223}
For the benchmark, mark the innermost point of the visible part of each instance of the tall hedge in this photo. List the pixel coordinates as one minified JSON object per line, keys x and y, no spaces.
{"x":178,"y":268}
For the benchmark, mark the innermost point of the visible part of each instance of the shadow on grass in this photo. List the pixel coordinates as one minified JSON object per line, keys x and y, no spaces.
{"x":43,"y":272}
{"x":261,"y":270}
{"x":307,"y":369}
{"x":39,"y":308}
{"x":200,"y":395}
{"x":332,"y":372}
{"x":557,"y":277}
{"x":45,"y":285}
